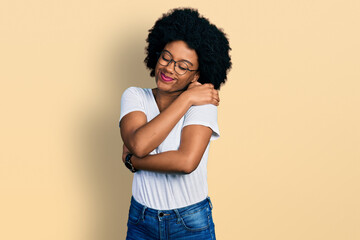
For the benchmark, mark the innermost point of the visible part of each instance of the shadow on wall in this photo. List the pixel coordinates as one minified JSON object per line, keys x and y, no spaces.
{"x":108,"y":180}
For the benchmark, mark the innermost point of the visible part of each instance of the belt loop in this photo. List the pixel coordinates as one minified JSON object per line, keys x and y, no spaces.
{"x":178,"y":215}
{"x":143,"y":213}
{"x":210,"y":204}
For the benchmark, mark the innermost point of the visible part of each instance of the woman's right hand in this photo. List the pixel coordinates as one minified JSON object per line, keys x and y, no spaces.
{"x":201,"y":94}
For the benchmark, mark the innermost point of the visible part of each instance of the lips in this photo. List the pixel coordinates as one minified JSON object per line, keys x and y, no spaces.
{"x":165,"y":78}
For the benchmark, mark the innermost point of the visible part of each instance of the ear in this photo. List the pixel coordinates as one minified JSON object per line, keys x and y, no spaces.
{"x":196,"y":77}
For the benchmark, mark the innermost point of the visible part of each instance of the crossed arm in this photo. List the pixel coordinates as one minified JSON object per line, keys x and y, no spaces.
{"x":141,"y":137}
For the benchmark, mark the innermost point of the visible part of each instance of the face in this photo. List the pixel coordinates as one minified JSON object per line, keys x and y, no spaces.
{"x":167,"y":79}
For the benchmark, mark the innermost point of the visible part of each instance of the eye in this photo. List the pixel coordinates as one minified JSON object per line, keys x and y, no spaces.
{"x":182,"y":65}
{"x":166,"y":57}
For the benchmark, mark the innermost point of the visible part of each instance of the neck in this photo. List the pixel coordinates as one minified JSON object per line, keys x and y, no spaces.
{"x":164,"y":99}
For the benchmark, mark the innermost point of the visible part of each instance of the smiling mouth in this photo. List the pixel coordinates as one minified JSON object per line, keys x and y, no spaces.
{"x":165,"y":78}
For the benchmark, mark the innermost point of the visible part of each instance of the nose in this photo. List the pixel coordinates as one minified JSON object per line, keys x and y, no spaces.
{"x":169,"y":67}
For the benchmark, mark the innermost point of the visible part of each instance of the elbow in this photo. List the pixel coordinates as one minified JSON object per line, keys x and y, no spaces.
{"x":190,"y":165}
{"x":188,"y":170}
{"x":140,"y":146}
{"x":140,"y":155}
{"x":138,"y":150}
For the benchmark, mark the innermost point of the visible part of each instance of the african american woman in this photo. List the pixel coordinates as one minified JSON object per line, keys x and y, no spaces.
{"x":167,"y":130}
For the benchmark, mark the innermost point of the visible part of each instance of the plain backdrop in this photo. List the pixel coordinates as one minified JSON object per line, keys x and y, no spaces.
{"x":287,"y":164}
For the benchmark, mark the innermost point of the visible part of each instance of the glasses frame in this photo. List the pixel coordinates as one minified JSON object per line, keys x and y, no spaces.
{"x":175,"y":62}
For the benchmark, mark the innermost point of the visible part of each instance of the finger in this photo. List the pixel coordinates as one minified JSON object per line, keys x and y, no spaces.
{"x":208,"y":85}
{"x":195,"y":83}
{"x":216,"y":95}
{"x":214,"y":99}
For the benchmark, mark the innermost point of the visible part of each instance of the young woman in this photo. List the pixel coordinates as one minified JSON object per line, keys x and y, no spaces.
{"x":167,"y":130}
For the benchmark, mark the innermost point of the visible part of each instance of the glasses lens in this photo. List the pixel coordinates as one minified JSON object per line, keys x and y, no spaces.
{"x":164,"y":58}
{"x":181,"y":68}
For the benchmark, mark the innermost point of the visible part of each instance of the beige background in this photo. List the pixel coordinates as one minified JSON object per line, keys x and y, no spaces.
{"x":286,"y":165}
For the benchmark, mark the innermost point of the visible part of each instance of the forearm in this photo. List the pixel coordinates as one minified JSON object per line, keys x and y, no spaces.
{"x":171,"y":161}
{"x":152,"y":134}
{"x":194,"y":141}
{"x":141,"y":137}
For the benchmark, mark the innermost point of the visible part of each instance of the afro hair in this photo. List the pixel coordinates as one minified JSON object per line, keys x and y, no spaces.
{"x":209,"y":42}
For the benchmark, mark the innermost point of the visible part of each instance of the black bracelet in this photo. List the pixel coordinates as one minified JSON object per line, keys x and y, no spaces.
{"x":128,"y":163}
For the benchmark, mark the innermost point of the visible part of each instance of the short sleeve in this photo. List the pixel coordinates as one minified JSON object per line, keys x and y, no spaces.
{"x":205,"y":115}
{"x":130,"y":102}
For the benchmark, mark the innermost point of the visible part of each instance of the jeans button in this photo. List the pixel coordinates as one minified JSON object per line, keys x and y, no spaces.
{"x":161,"y":214}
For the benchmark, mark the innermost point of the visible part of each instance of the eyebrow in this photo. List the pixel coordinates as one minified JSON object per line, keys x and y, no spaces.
{"x":182,"y":60}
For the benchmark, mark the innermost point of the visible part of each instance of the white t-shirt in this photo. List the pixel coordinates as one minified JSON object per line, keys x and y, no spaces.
{"x":165,"y":191}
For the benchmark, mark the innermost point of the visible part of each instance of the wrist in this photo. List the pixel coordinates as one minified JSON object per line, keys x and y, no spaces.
{"x":186,"y":98}
{"x":128,"y":162}
{"x":134,"y":161}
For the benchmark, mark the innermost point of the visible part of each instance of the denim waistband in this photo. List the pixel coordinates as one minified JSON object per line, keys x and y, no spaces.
{"x":173,"y":213}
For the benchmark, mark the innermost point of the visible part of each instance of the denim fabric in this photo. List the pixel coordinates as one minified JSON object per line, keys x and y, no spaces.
{"x":191,"y":222}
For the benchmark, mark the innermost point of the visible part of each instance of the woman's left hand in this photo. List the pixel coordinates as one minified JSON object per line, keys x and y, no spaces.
{"x":126,"y":151}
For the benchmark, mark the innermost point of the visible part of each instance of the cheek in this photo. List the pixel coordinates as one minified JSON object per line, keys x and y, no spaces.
{"x":185,"y":81}
{"x":156,"y":70}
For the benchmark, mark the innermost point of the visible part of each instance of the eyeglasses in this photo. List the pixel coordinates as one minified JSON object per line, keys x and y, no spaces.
{"x":180,"y":67}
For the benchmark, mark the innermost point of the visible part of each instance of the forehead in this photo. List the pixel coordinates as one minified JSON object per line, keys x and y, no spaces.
{"x":181,"y":51}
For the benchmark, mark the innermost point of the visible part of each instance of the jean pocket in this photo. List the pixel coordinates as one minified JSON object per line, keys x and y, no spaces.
{"x":134,"y":215}
{"x":197,"y":220}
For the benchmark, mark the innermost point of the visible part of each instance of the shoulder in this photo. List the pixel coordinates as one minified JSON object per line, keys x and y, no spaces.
{"x":202,"y":110}
{"x":205,"y":107}
{"x":137,"y":92}
{"x":135,"y":99}
{"x":205,"y":115}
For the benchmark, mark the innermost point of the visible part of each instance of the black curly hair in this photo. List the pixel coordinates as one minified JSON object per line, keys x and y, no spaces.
{"x":209,"y":42}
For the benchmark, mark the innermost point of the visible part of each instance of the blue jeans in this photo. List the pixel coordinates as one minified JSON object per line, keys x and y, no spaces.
{"x":191,"y":222}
